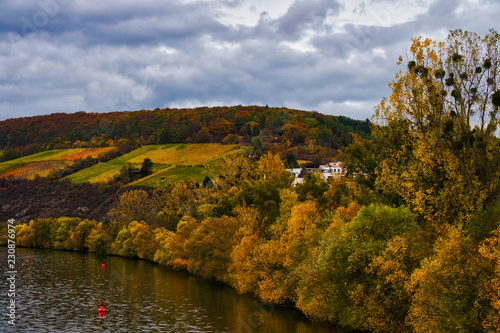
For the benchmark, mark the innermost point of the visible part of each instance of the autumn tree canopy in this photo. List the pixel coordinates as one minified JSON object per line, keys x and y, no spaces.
{"x":439,"y":127}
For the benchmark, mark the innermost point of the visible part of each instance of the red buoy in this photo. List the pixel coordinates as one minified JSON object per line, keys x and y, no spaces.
{"x":102,"y":266}
{"x":102,"y":309}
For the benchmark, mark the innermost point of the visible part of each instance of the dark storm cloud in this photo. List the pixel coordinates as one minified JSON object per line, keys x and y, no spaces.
{"x":71,"y":55}
{"x":117,"y":22}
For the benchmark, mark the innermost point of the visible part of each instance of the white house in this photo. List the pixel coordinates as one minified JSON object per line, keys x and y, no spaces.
{"x":332,"y":169}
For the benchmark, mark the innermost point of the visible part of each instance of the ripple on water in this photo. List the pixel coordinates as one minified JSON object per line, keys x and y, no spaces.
{"x":61,"y":292}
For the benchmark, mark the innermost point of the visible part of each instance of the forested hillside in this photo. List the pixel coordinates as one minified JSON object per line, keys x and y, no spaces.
{"x":258,"y":126}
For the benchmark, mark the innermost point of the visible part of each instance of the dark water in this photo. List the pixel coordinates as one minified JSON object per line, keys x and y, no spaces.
{"x":62,"y":291}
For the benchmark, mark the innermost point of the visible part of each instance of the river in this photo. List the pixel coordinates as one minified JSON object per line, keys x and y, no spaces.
{"x":57,"y":291}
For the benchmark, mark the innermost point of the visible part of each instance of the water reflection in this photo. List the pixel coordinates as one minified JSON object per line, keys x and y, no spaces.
{"x":62,"y":292}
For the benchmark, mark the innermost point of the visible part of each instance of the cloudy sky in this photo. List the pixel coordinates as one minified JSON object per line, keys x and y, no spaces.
{"x":333,"y":56}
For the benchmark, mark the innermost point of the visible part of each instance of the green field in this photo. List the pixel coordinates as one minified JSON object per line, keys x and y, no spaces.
{"x":172,"y":162}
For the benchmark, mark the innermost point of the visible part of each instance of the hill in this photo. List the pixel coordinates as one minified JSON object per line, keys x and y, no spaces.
{"x":305,"y":135}
{"x":83,"y":150}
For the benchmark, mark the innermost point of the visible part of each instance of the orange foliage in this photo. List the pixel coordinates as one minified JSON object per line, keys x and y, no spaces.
{"x":92,"y":152}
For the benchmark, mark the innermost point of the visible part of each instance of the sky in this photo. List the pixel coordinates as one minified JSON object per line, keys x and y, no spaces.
{"x":331,"y":56}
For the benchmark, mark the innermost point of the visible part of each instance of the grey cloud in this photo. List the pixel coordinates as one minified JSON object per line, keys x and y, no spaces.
{"x":440,"y":10}
{"x":304,"y":12}
{"x":232,"y":3}
{"x":105,"y":22}
{"x":103,"y":56}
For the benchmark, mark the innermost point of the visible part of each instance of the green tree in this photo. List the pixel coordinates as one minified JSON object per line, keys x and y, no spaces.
{"x":362,"y":161}
{"x":313,"y":187}
{"x":78,"y":238}
{"x":62,"y":231}
{"x":147,"y":167}
{"x":42,"y":232}
{"x":210,"y":246}
{"x":203,"y":135}
{"x":136,"y":240}
{"x":10,"y":154}
{"x":291,"y":161}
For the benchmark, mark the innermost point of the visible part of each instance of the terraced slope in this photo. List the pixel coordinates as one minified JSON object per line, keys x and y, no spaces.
{"x":172,"y":162}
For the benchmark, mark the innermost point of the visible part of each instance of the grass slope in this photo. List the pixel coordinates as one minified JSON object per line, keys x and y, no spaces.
{"x":41,"y":164}
{"x":172,"y":162}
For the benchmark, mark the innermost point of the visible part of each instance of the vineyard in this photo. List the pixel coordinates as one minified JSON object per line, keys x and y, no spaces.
{"x":43,"y":163}
{"x":172,"y":162}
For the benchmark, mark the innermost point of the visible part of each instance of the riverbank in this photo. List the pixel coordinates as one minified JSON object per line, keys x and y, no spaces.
{"x":138,"y":240}
{"x":140,"y":297}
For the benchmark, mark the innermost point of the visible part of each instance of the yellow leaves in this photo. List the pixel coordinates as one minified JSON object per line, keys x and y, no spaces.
{"x":132,"y":205}
{"x":25,"y":236}
{"x":348,"y":213}
{"x":230,"y":171}
{"x":209,"y":246}
{"x":489,"y":288}
{"x":270,"y":164}
{"x":289,"y":199}
{"x":266,"y":266}
{"x":490,"y":248}
{"x":135,"y":240}
{"x":162,"y":238}
{"x":443,"y":293}
{"x":365,"y":263}
{"x":248,"y":219}
{"x":422,"y":49}
{"x":304,"y":217}
{"x":242,"y":271}
{"x":98,"y":240}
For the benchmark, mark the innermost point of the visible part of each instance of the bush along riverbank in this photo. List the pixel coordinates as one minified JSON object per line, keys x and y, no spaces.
{"x":336,"y":251}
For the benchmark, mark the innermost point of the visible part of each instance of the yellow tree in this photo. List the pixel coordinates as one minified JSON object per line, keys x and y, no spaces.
{"x":162,"y":254}
{"x":98,"y":240}
{"x":358,"y":272}
{"x":290,"y":241}
{"x":132,"y":205}
{"x":210,"y":247}
{"x":242,"y":271}
{"x":489,"y":289}
{"x":77,"y":238}
{"x":136,"y":240}
{"x":437,"y":128}
{"x":445,"y":288}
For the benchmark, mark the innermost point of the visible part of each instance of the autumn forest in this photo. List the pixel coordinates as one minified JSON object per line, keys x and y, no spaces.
{"x":407,"y":241}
